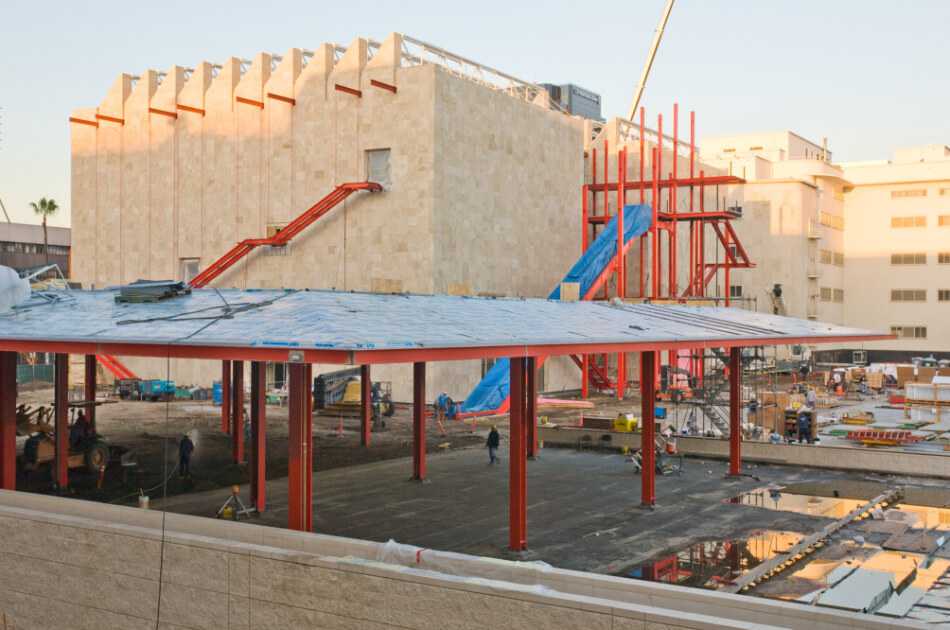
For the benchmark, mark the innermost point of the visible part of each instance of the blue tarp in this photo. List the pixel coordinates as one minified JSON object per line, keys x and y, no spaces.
{"x":492,"y":391}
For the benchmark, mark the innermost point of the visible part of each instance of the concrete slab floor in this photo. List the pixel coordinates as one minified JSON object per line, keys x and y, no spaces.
{"x":583,"y":507}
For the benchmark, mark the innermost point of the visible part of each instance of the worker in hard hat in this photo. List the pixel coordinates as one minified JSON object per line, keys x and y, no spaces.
{"x":185,"y":448}
{"x":494,"y":439}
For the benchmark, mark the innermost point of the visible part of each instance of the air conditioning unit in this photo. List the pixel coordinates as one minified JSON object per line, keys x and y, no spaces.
{"x":859,"y":357}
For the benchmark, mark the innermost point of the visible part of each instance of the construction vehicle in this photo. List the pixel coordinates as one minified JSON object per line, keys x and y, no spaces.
{"x":92,"y":453}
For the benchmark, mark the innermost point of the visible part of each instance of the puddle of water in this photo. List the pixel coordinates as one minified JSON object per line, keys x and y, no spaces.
{"x":710,"y":564}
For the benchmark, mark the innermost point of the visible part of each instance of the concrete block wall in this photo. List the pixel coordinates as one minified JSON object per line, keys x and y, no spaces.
{"x":188,"y":162}
{"x":82,"y":565}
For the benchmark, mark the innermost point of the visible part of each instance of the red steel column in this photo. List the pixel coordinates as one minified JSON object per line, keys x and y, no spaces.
{"x":61,"y":410}
{"x":8,"y":391}
{"x":89,"y":388}
{"x":735,"y":411}
{"x":531,"y":405}
{"x":517,"y":468}
{"x":585,"y":376}
{"x":300,"y":456}
{"x":419,"y":421}
{"x":259,"y":435}
{"x":308,"y":425}
{"x":237,"y":411}
{"x":366,"y":404}
{"x":647,"y":433}
{"x":225,"y":396}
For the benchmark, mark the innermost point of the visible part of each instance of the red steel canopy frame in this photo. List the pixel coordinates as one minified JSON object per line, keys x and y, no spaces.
{"x":666,"y":218}
{"x":300,"y":461}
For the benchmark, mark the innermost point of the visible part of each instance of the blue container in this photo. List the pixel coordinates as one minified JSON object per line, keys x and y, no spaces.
{"x":216,"y":393}
{"x":660,"y":413}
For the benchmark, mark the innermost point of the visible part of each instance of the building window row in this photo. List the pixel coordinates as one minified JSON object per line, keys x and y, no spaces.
{"x":909,"y":258}
{"x":910,"y":332}
{"x":908,"y":295}
{"x":735,"y":291}
{"x":829,"y":257}
{"x":829,"y":294}
{"x":913,"y":192}
{"x":943,"y":295}
{"x":909,"y":222}
{"x":943,"y":220}
{"x":943,"y":258}
{"x":10,"y":247}
{"x":833,"y":221}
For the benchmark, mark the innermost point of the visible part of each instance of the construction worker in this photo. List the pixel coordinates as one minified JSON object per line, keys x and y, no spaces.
{"x":185,"y":448}
{"x":811,"y":398}
{"x":494,"y":439}
{"x":80,"y":431}
{"x":441,"y":410}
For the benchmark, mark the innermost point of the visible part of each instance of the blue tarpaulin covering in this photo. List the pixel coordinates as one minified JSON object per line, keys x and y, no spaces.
{"x":492,"y":391}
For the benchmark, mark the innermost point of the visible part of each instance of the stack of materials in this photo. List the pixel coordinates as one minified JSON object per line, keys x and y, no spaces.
{"x":151,"y":291}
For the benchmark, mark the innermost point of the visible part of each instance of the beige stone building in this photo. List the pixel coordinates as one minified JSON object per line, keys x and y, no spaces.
{"x":481,"y":180}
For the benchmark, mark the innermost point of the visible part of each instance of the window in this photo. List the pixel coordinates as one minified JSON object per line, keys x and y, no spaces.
{"x":826,"y":294}
{"x":944,"y":192}
{"x":943,"y":220}
{"x":188,"y":268}
{"x":914,"y":192}
{"x":829,"y":257}
{"x":839,"y":259}
{"x":831,"y":220}
{"x":730,"y":150}
{"x":826,"y":256}
{"x":377,"y":167}
{"x":943,"y":258}
{"x":908,"y":295}
{"x":910,"y":332}
{"x":839,"y":295}
{"x":908,"y":222}
{"x":914,"y":258}
{"x":943,"y":295}
{"x":755,"y":148}
{"x":735,"y":291}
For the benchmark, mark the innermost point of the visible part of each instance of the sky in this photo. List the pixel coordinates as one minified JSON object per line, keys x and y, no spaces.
{"x":869,"y":75}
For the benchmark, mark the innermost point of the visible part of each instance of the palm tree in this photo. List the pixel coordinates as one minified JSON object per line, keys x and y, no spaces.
{"x":45,"y":208}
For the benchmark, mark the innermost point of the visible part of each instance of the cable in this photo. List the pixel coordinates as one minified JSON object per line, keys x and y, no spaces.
{"x":161,"y":557}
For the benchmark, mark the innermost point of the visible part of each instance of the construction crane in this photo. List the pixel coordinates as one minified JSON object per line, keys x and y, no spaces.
{"x":4,"y":208}
{"x":657,"y":36}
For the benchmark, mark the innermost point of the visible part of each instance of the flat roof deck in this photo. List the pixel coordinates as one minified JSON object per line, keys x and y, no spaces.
{"x":365,"y":328}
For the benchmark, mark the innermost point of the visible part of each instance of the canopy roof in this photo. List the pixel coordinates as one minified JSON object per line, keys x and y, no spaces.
{"x":346,"y":327}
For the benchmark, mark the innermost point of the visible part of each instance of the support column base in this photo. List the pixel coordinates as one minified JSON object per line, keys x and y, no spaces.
{"x":417,"y":480}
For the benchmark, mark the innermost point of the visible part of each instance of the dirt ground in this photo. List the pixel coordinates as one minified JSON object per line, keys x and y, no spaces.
{"x":152,"y":430}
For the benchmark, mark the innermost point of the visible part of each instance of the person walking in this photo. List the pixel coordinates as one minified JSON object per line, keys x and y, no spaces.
{"x":185,"y":448}
{"x":493,"y":441}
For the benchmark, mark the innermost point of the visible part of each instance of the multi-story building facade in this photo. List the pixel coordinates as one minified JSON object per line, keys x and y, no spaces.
{"x":22,"y":246}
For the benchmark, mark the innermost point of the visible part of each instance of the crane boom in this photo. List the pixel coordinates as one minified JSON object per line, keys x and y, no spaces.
{"x":657,"y":36}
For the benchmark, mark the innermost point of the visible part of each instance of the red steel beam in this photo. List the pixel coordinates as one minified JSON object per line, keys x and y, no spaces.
{"x":8,"y":392}
{"x":366,"y":404}
{"x":89,"y":387}
{"x":531,"y":405}
{"x":300,"y":453}
{"x":237,"y":411}
{"x":389,"y":87}
{"x":517,"y":467}
{"x":348,"y":90}
{"x":61,"y":424}
{"x":225,"y":397}
{"x":419,"y":421}
{"x":647,"y":434}
{"x":735,"y":411}
{"x":712,"y":180}
{"x":258,"y":446}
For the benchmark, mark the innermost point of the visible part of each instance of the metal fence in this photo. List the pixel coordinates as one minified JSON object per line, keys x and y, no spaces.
{"x":41,"y":373}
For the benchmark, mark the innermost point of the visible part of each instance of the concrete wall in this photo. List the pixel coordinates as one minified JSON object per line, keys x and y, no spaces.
{"x":82,"y":565}
{"x":838,"y":458}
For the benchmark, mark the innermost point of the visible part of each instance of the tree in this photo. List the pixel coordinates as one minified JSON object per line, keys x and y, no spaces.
{"x":45,"y":208}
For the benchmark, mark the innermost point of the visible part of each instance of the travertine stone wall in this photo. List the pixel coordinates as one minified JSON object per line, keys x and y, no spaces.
{"x":87,"y":566}
{"x":483,"y":195}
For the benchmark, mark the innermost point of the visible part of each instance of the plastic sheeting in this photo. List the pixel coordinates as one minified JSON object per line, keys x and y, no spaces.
{"x":14,"y":290}
{"x":491,"y":394}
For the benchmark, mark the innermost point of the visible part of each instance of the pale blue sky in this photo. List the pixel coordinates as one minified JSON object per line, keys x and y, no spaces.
{"x":870,"y":75}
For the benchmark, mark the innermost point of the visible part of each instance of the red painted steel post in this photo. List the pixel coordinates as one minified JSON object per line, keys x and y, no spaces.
{"x":531,"y":405}
{"x":300,"y":457}
{"x":654,"y":237}
{"x":366,"y":404}
{"x":61,"y":410}
{"x":8,"y":392}
{"x":308,"y":433}
{"x":674,"y":224}
{"x":621,"y":260}
{"x":419,"y":421}
{"x":584,"y":218}
{"x":726,"y":257}
{"x":225,"y":396}
{"x":585,"y":376}
{"x":643,"y":241}
{"x":89,"y":388}
{"x":517,"y":468}
{"x":237,"y":411}
{"x":735,"y":411}
{"x":648,"y":431}
{"x":259,"y":435}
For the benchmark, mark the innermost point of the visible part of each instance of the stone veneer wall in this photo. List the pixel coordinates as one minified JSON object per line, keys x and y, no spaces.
{"x":87,"y":566}
{"x":483,"y":197}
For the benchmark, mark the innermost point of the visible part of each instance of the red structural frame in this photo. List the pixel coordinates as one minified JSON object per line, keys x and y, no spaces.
{"x":664,"y":187}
